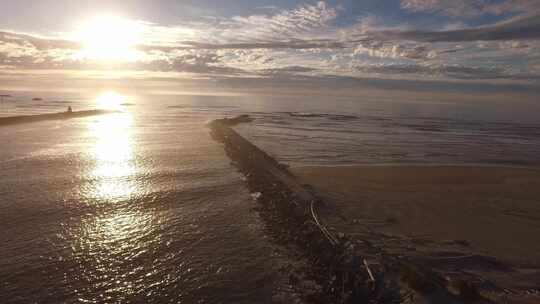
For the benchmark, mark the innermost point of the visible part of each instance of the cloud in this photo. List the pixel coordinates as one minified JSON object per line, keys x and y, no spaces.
{"x":298,"y":28}
{"x":514,"y":6}
{"x":37,"y":42}
{"x":452,"y":8}
{"x":283,"y":44}
{"x":288,"y":70}
{"x":455,"y":71}
{"x":17,"y":52}
{"x":209,"y":41}
{"x":383,"y":49}
{"x":513,"y":29}
{"x":309,"y":40}
{"x":471,"y":8}
{"x":303,"y":21}
{"x":27,"y":51}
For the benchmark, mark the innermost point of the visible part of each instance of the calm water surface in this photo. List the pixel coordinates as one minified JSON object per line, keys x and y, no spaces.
{"x":143,"y":206}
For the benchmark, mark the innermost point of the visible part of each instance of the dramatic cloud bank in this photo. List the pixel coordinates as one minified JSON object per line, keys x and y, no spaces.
{"x":443,"y":40}
{"x":471,"y":8}
{"x":514,"y":29}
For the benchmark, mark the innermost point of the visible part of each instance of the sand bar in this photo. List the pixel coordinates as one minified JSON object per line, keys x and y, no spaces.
{"x":14,"y":120}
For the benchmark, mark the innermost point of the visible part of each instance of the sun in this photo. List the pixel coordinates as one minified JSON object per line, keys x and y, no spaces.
{"x":110,"y":101}
{"x":109,"y":38}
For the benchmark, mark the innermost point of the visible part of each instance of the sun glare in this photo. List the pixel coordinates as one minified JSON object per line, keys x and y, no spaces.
{"x":109,"y":38}
{"x":110,"y":101}
{"x":113,"y":154}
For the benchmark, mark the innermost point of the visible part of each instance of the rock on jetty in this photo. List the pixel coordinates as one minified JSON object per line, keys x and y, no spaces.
{"x":290,"y":213}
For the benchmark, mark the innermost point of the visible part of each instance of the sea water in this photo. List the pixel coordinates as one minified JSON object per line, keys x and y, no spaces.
{"x":143,"y":206}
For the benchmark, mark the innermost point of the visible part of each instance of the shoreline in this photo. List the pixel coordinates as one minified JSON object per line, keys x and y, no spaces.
{"x":412,"y":164}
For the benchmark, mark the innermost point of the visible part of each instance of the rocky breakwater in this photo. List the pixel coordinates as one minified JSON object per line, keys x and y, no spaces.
{"x":333,"y":272}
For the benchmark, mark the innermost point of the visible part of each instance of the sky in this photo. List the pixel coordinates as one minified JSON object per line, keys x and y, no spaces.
{"x":465,"y":45}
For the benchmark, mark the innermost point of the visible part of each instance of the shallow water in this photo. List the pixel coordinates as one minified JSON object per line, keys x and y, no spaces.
{"x":134,"y":207}
{"x":143,"y":206}
{"x":371,"y":132}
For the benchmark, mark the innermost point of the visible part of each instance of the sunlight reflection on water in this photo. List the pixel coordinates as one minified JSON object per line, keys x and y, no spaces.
{"x":110,"y":101}
{"x":108,"y":239}
{"x":113,"y":155}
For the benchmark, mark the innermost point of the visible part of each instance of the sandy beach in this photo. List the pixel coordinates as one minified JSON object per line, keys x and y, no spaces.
{"x":495,"y":210}
{"x":490,"y":214}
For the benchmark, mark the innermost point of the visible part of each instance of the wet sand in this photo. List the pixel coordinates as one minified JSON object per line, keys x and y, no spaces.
{"x":495,"y":211}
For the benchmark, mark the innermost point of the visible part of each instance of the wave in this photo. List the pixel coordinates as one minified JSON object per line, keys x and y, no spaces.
{"x":322,"y":115}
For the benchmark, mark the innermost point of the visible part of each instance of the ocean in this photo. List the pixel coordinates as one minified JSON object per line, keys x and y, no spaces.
{"x":143,"y":206}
